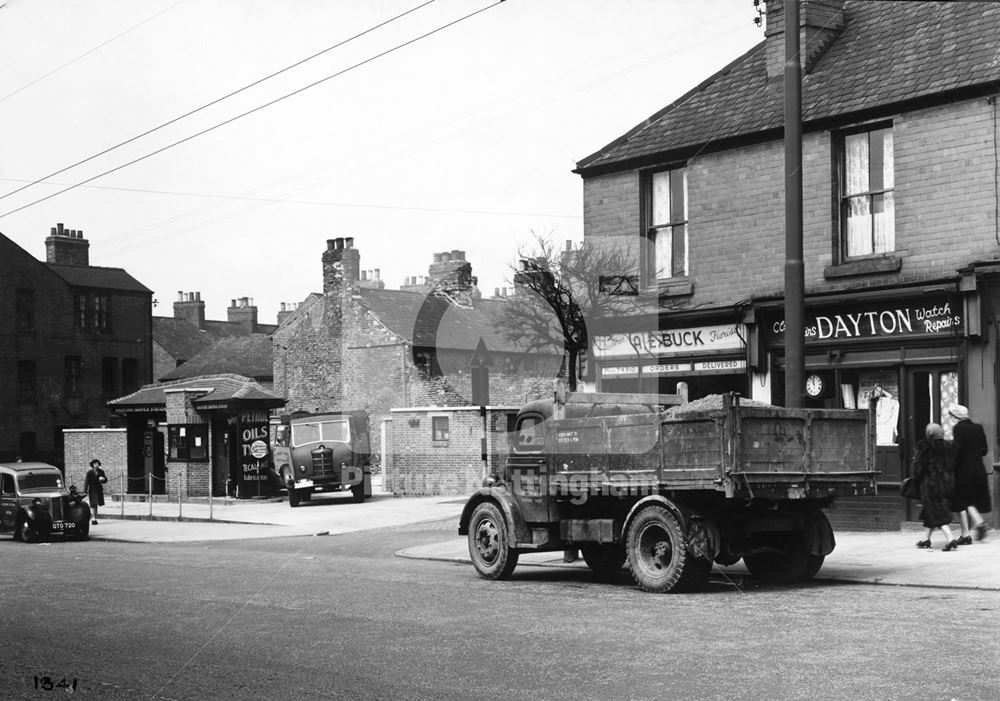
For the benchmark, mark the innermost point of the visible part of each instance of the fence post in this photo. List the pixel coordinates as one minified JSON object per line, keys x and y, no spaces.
{"x":122,"y":490}
{"x":150,"y":495}
{"x":180,"y":509}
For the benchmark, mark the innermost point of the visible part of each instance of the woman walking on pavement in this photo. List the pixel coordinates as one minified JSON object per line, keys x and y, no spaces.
{"x":933,"y":468}
{"x":93,"y":487}
{"x":972,"y":491}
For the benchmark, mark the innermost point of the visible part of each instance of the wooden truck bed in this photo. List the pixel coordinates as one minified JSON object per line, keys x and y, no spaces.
{"x":743,"y":451}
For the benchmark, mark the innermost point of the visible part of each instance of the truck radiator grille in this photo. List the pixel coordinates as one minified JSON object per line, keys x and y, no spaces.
{"x":322,"y":462}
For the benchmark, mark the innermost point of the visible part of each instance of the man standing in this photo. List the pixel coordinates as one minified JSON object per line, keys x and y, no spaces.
{"x":93,"y":486}
{"x":972,"y":491}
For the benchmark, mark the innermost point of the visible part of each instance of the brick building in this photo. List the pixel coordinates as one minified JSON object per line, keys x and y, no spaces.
{"x":900,"y":231}
{"x":359,"y":346}
{"x":73,"y":335}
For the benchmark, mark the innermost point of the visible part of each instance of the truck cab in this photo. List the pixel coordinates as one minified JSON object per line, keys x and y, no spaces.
{"x":323,"y":452}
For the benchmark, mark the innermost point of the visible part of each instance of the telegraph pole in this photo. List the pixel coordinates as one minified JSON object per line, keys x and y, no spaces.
{"x":794,"y":265}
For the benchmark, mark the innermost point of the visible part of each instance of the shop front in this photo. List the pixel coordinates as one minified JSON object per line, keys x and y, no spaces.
{"x":903,"y":348}
{"x":199,"y":437}
{"x":694,"y":361}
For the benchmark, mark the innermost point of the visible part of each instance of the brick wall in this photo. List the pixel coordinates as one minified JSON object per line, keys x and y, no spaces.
{"x":107,"y":445}
{"x":420,"y":466}
{"x":945,"y":199}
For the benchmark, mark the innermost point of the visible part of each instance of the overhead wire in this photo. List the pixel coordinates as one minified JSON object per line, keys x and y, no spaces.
{"x":494,"y":116}
{"x":205,"y":106}
{"x":85,"y":54}
{"x":256,"y":109}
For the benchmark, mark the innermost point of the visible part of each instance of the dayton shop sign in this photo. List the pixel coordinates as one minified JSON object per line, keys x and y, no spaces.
{"x":935,"y":318}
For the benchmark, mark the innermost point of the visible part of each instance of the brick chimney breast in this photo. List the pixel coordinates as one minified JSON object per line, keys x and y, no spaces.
{"x":66,"y":247}
{"x":820,"y":22}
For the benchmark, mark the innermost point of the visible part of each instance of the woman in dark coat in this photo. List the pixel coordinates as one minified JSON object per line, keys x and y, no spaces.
{"x":933,"y":468}
{"x":972,"y":490}
{"x":93,"y":487}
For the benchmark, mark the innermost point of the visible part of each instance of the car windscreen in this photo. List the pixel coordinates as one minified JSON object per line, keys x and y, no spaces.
{"x":39,"y":480}
{"x":326,"y":431}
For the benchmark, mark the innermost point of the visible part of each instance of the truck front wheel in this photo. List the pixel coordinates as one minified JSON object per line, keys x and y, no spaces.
{"x":293,"y":497}
{"x":657,"y":553}
{"x":489,"y":543}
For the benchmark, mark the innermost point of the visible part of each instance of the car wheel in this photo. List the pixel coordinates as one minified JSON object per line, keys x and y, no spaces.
{"x":83,"y":529}
{"x":489,"y":543}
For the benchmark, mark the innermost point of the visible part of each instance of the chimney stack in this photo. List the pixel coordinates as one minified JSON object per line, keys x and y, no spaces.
{"x":190,"y":307}
{"x":341,"y":266}
{"x":243,"y":312}
{"x":67,"y":247}
{"x":820,"y":22}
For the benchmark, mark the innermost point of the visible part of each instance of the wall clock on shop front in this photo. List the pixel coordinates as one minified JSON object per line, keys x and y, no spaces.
{"x":814,"y":385}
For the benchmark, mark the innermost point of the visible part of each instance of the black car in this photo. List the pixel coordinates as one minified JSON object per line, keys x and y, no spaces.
{"x":35,"y":503}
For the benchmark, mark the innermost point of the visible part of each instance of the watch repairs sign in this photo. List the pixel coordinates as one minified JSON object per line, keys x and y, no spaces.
{"x":933,"y":317}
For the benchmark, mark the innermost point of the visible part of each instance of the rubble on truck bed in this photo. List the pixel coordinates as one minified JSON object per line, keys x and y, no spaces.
{"x":713,"y":402}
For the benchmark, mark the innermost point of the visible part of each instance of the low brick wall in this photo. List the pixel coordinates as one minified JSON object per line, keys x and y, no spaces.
{"x":419,"y":465}
{"x":107,"y":445}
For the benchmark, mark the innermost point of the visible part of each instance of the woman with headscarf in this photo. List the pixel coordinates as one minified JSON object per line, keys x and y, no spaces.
{"x":933,"y":468}
{"x":972,"y":489}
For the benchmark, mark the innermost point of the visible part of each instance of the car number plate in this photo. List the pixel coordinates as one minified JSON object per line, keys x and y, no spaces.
{"x":63,"y":525}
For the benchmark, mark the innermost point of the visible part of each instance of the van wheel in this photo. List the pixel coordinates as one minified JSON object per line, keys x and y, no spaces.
{"x":293,"y":497}
{"x":604,"y":559}
{"x":358,"y":493}
{"x":29,"y":534}
{"x":658,"y":556}
{"x":489,"y":543}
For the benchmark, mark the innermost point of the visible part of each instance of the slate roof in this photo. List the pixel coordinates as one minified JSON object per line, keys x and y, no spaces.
{"x":94,"y":276}
{"x":432,"y":321}
{"x":222,"y":389}
{"x":889,"y":53}
{"x":250,"y":356}
{"x":182,"y":340}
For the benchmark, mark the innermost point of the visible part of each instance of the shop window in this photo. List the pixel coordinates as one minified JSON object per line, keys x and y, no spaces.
{"x":25,"y":310}
{"x":666,"y":231}
{"x":439,"y":428}
{"x":867,"y":198}
{"x":188,"y":442}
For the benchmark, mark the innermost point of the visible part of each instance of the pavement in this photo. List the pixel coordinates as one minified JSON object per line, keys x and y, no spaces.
{"x":885,"y":557}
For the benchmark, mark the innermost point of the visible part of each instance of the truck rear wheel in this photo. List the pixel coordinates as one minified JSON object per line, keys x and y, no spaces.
{"x":658,"y":556}
{"x":489,"y":543}
{"x":604,"y":559}
{"x":792,"y":564}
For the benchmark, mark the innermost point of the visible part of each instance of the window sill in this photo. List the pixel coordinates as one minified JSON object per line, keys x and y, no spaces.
{"x":675,"y":287}
{"x":864,"y":266}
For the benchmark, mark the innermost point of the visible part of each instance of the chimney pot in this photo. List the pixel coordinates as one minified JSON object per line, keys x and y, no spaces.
{"x":378,"y":273}
{"x":59,"y":227}
{"x":349,"y":242}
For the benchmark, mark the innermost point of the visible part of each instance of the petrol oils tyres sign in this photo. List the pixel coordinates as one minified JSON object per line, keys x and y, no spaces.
{"x":936,"y":317}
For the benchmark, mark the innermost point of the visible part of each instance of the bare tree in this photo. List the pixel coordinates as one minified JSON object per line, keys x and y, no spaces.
{"x":559,"y":291}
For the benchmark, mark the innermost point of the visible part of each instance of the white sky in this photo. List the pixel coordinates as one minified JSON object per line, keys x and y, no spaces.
{"x":463,"y":140}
